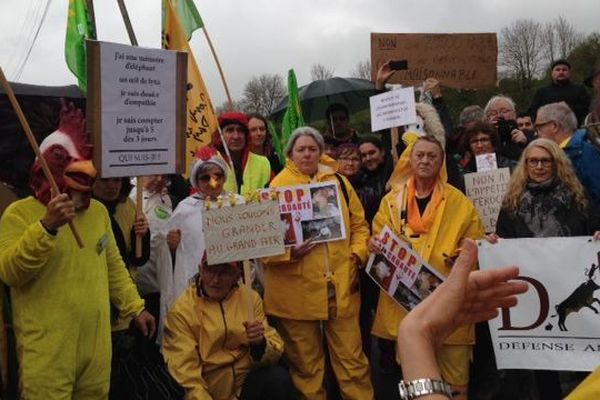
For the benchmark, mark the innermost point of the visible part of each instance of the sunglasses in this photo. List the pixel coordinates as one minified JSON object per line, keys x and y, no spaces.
{"x":205,"y":178}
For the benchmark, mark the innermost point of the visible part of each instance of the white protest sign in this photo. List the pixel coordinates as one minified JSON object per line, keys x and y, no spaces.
{"x":486,"y":191}
{"x":401,"y":272}
{"x":310,"y":212}
{"x":555,"y":325}
{"x":138,"y":94}
{"x":392,"y":109}
{"x":242,"y":232}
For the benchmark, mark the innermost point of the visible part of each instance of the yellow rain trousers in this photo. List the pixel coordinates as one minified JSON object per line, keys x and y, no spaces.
{"x":60,"y":299}
{"x":299,"y":293}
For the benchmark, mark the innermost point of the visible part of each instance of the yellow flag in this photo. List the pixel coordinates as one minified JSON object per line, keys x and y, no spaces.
{"x":201,"y":119}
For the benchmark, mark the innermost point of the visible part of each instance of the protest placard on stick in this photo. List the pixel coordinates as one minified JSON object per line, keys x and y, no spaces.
{"x":136,"y":109}
{"x":392,"y":109}
{"x":457,"y":60}
{"x":242,"y":232}
{"x":486,"y":190}
{"x":401,"y":272}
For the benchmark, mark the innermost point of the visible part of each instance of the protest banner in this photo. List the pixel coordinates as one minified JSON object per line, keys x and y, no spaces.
{"x":555,"y":325}
{"x":392,"y":109}
{"x":486,"y":191}
{"x":309,"y":212}
{"x":457,"y":60}
{"x":242,"y":232}
{"x":136,"y":109}
{"x":401,"y":272}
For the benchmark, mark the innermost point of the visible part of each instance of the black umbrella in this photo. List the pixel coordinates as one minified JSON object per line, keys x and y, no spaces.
{"x":315,"y":97}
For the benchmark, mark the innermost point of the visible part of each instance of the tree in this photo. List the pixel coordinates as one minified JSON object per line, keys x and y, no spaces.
{"x":521,"y":50}
{"x":584,"y":56}
{"x":559,"y":39}
{"x":224,"y":107}
{"x":262,"y":93}
{"x":319,"y":71}
{"x":362,"y":70}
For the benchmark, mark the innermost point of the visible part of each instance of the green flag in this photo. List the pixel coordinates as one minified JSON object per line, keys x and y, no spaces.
{"x":79,"y":28}
{"x":292,"y":118}
{"x":188,"y":15}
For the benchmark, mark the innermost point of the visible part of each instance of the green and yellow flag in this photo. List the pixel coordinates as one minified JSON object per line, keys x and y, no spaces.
{"x":188,"y":15}
{"x":79,"y":28}
{"x":292,"y":118}
{"x":201,"y":119}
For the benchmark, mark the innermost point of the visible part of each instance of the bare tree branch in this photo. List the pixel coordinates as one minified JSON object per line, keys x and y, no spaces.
{"x":262,"y":93}
{"x":362,"y":70}
{"x":319,"y":71}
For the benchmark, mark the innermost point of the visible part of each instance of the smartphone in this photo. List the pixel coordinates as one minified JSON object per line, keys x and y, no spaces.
{"x":399,"y":65}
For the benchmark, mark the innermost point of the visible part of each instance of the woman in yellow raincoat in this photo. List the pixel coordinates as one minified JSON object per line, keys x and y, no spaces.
{"x":313,"y":288}
{"x":433,"y":217}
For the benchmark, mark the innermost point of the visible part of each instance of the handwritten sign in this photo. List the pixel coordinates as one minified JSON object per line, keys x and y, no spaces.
{"x":392,"y":109}
{"x":242,"y":232}
{"x":310,"y":212}
{"x":554,"y":325}
{"x":457,"y":60}
{"x":401,"y":272}
{"x":486,"y":190}
{"x":137,"y":109}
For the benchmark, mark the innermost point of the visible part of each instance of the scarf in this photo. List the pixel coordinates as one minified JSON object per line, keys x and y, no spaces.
{"x":417,"y":222}
{"x":544,"y":207}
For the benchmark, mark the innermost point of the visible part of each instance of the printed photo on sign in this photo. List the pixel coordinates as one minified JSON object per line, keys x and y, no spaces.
{"x":287,"y":224}
{"x":555,"y":325}
{"x":400,"y":271}
{"x":324,"y":202}
{"x":321,"y":230}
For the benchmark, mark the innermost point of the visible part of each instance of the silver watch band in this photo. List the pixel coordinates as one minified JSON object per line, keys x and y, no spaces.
{"x":421,"y":387}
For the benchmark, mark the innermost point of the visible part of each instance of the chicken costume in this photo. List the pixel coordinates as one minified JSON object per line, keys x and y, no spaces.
{"x":60,"y":293}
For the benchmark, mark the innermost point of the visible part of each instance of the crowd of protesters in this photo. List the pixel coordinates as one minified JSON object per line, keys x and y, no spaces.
{"x":320,"y":328}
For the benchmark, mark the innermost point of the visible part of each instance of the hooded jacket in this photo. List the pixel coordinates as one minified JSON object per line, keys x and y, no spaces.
{"x":298,"y":288}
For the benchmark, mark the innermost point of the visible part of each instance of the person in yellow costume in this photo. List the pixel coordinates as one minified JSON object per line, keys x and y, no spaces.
{"x":211,"y":347}
{"x":313,"y":288}
{"x":434,"y":218}
{"x":60,"y":292}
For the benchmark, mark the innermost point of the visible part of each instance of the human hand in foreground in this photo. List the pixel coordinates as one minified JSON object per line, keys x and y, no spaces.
{"x":173,"y":239}
{"x":432,"y":85}
{"x":59,"y":211}
{"x":140,"y":226}
{"x":466,"y":297}
{"x":146,"y":324}
{"x":492,"y":238}
{"x":384,"y":73}
{"x":596,"y":235}
{"x":255,"y":332}
{"x":518,"y":137}
{"x":374,"y":245}
{"x":302,"y":249}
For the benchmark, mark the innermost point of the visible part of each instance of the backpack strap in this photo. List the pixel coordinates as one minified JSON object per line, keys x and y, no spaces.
{"x":344,"y":189}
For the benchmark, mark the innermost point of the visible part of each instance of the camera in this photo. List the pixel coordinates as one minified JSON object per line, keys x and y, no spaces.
{"x":505,"y":128}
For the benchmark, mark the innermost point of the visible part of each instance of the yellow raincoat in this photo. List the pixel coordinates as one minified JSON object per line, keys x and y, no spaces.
{"x":297,"y":292}
{"x":205,"y":343}
{"x":60,"y":299}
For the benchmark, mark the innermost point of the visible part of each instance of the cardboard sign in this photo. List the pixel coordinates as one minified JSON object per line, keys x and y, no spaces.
{"x":486,"y":190}
{"x":457,"y":60}
{"x":242,"y":232}
{"x":136,"y":109}
{"x":401,"y":272}
{"x":555,"y":325}
{"x":392,"y":109}
{"x":310,"y":212}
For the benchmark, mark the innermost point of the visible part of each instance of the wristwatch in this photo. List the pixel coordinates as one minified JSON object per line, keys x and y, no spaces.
{"x":421,"y":387}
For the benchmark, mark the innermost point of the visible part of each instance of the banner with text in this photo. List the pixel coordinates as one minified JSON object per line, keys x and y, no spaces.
{"x":486,"y":190}
{"x":392,"y":109}
{"x":457,"y":60}
{"x":309,"y":212}
{"x":242,"y":232}
{"x":136,"y":105}
{"x":401,"y":272}
{"x":555,"y":325}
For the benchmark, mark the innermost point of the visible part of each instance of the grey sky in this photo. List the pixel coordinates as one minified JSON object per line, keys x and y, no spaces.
{"x":259,"y":36}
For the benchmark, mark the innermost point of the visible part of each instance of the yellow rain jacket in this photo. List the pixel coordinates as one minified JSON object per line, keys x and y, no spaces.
{"x":256,"y":175}
{"x":456,"y":218}
{"x":205,"y":343}
{"x":588,"y":389}
{"x":297,"y":289}
{"x":60,"y":299}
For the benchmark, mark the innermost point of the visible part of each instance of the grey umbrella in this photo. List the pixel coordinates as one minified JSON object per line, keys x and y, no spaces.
{"x":315,"y":97}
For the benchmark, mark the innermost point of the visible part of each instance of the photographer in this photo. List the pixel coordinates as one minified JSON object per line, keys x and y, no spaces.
{"x":500,"y":112}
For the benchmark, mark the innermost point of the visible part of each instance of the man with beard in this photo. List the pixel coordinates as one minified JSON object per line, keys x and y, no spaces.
{"x":60,"y":293}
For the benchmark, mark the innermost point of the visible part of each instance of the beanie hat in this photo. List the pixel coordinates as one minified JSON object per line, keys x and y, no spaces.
{"x":561,"y":61}
{"x":206,"y":154}
{"x":233,"y":117}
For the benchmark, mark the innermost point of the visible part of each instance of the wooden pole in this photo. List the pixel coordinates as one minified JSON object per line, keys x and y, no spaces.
{"x":214,"y":53}
{"x":92,"y":14}
{"x":139,"y":206}
{"x":34,"y":145}
{"x":395,"y":139}
{"x":248,"y":285}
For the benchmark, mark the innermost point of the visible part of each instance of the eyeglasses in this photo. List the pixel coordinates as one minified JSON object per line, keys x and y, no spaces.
{"x":205,"y":178}
{"x":534,"y":162}
{"x":503,"y":112}
{"x":539,"y":125}
{"x":349,"y":159}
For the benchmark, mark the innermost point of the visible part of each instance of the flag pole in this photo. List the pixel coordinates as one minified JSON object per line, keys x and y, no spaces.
{"x":90,"y":6}
{"x":36,"y":148}
{"x":214,"y":53}
{"x":139,"y":204}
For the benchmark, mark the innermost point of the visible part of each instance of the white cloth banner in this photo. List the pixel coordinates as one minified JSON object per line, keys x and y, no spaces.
{"x":556,"y":324}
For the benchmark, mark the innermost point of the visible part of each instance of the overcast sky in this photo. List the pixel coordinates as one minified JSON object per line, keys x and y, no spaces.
{"x":259,"y":36}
